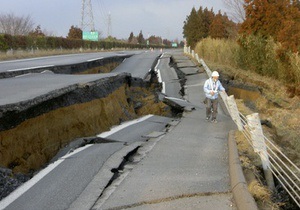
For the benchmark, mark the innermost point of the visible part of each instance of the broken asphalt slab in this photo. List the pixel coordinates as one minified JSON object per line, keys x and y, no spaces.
{"x":32,"y":95}
{"x":191,"y":70}
{"x":181,"y":104}
{"x":187,"y":168}
{"x":40,"y":84}
{"x":187,"y":63}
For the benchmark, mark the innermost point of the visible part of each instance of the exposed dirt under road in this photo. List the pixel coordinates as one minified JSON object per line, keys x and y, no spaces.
{"x":31,"y":136}
{"x":31,"y":144}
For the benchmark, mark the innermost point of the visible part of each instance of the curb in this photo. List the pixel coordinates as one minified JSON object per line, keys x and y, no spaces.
{"x":242,"y":197}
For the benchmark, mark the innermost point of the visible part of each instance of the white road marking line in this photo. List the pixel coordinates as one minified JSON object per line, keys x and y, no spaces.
{"x":163,"y":88}
{"x":157,"y":64}
{"x":94,"y":59}
{"x":39,"y":58}
{"x":23,"y":75}
{"x":27,"y":185}
{"x":124,"y":125}
{"x":35,"y":67}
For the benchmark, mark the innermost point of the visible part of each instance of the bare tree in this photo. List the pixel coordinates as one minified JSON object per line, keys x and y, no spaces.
{"x":14,"y":25}
{"x":236,"y":9}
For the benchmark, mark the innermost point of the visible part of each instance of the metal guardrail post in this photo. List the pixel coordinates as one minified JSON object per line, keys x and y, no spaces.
{"x":260,"y":147}
{"x":234,"y":112}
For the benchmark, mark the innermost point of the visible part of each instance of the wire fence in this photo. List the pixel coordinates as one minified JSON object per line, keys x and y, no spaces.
{"x":275,"y":163}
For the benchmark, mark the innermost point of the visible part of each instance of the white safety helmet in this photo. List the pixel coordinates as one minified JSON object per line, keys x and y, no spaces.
{"x":215,"y":74}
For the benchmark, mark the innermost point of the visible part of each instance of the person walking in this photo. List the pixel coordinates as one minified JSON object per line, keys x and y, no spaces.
{"x":211,"y":87}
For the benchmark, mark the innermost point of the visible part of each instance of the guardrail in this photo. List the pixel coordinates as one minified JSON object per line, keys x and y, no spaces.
{"x":274,"y":162}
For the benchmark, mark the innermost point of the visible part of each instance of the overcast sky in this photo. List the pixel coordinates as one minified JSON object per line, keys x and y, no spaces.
{"x":162,"y":18}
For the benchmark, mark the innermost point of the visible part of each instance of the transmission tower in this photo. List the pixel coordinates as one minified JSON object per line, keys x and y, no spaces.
{"x":87,"y":19}
{"x":109,"y":25}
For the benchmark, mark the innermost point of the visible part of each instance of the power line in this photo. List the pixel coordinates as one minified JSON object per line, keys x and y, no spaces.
{"x":109,"y":30}
{"x":101,"y":16}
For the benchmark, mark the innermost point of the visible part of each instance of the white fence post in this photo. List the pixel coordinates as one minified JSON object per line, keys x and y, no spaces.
{"x":260,"y":147}
{"x":193,"y":53}
{"x":234,"y":112}
{"x":185,"y":49}
{"x":208,"y":71}
{"x":197,"y":58}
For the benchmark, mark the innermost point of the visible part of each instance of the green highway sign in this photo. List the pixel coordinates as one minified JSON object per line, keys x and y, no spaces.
{"x":90,"y":35}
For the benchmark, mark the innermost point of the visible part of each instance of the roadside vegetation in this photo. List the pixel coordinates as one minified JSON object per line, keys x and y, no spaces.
{"x":19,"y":33}
{"x":260,"y":51}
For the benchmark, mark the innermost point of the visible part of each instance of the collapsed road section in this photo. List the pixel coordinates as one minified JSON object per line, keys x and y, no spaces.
{"x":58,"y":109}
{"x":55,"y":109}
{"x":79,"y":177}
{"x":40,"y":113}
{"x":35,"y":106}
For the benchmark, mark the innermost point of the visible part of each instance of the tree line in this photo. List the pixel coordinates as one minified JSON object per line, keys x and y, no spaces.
{"x":17,"y":27}
{"x":9,"y":42}
{"x":151,"y":40}
{"x":267,"y":35}
{"x":34,"y":39}
{"x":271,"y":30}
{"x":203,"y":23}
{"x":277,"y":19}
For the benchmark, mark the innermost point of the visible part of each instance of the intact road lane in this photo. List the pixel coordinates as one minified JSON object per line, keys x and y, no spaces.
{"x":30,"y":86}
{"x":50,"y":61}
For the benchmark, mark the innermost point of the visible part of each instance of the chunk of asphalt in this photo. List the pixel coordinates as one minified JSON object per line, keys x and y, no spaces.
{"x":177,"y":103}
{"x":80,"y":142}
{"x":154,"y":134}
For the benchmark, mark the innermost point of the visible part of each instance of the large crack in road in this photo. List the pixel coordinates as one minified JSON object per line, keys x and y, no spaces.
{"x":33,"y":131}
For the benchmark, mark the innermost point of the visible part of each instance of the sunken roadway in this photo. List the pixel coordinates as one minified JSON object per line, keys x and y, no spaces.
{"x":152,"y":162}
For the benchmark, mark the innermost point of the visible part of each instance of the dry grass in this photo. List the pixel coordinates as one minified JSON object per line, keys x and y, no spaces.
{"x":218,"y":50}
{"x":250,"y":163}
{"x":295,"y":60}
{"x":258,"y":55}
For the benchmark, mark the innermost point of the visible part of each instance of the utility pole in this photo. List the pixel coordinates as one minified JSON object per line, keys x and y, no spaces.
{"x":87,"y":19}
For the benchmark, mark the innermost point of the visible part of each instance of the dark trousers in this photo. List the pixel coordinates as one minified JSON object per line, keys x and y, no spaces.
{"x":211,"y":108}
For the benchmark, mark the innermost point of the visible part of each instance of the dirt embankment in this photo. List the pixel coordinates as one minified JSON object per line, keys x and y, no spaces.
{"x":278,"y":108}
{"x":35,"y":141}
{"x":32,"y":142}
